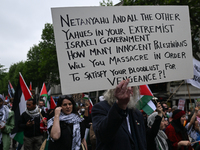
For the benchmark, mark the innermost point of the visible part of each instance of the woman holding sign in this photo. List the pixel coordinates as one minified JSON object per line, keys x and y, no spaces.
{"x":177,"y":133}
{"x":66,"y":128}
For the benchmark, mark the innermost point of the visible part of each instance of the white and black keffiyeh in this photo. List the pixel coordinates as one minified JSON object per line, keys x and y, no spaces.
{"x":70,"y":119}
{"x":33,"y":113}
{"x":4,"y":113}
{"x":161,"y":143}
{"x":160,"y":139}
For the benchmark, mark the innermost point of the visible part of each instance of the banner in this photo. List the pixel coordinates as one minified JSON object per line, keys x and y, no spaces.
{"x":97,"y":47}
{"x":195,"y":81}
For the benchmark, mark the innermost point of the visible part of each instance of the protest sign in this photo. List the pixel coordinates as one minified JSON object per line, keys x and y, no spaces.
{"x":97,"y":47}
{"x":181,"y":104}
{"x":195,"y":81}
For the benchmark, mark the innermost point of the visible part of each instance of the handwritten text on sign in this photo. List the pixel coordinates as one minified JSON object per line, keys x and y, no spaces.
{"x":97,"y":47}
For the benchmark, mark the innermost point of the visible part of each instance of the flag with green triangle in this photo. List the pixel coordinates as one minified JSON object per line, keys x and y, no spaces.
{"x":145,"y":102}
{"x":44,"y":93}
{"x":22,"y":94}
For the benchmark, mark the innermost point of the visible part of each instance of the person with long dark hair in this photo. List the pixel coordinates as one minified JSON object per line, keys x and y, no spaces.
{"x":177,"y":133}
{"x":66,"y":128}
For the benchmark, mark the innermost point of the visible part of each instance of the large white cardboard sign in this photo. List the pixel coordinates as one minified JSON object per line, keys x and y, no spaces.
{"x":97,"y":47}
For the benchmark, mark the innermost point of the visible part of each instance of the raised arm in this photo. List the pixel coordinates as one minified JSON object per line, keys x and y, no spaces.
{"x":193,"y":117}
{"x":55,"y":130}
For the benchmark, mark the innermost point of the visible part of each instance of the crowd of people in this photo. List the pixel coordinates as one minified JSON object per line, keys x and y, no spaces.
{"x":114,"y":124}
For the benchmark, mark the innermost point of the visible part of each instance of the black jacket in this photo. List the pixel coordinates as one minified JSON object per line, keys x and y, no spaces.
{"x":34,"y":130}
{"x":65,"y":140}
{"x":109,"y":124}
{"x":152,"y":132}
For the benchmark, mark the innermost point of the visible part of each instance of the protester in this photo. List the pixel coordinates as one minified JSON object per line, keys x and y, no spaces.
{"x":177,"y":133}
{"x":7,"y":102}
{"x":66,"y":128}
{"x":165,"y":109}
{"x":117,"y":124}
{"x":193,"y":128}
{"x":174,"y":108}
{"x":30,"y":123}
{"x":169,"y":112}
{"x":41,"y":105}
{"x":164,"y":112}
{"x":6,"y":125}
{"x":155,"y":136}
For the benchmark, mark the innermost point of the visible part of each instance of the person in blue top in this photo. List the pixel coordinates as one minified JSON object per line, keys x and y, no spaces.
{"x":193,"y":128}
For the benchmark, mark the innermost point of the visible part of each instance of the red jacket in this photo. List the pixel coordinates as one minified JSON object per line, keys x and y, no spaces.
{"x":175,"y":137}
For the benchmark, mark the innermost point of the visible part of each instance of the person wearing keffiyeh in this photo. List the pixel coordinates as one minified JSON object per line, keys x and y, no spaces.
{"x":30,"y":123}
{"x":6,"y":124}
{"x":156,"y":137}
{"x":66,"y":128}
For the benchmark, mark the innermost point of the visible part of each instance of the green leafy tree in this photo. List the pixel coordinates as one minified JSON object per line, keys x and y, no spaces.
{"x":3,"y":77}
{"x":48,"y":65}
{"x":32,"y":66}
{"x":194,"y":10}
{"x":14,"y":72}
{"x":104,"y":3}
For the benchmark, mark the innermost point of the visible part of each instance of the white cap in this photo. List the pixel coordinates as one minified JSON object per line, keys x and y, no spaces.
{"x":101,"y":98}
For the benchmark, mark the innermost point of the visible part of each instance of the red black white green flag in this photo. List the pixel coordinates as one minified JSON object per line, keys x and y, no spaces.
{"x":22,"y":94}
{"x":145,"y":102}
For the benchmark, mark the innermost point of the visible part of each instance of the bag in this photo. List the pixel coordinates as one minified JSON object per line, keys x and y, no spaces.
{"x":82,"y":147}
{"x":43,"y":145}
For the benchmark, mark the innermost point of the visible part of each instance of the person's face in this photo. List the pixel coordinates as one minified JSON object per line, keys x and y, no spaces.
{"x":67,"y":106}
{"x":30,"y":106}
{"x":166,"y":122}
{"x":41,"y":104}
{"x":162,"y":124}
{"x":169,"y":109}
{"x":165,"y":106}
{"x":87,"y":104}
{"x":183,"y":118}
{"x":1,"y":102}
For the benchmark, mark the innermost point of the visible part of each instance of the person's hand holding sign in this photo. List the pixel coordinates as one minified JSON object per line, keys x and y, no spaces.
{"x":122,"y":93}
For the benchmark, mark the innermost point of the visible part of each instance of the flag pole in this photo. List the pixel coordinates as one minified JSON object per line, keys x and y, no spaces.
{"x":175,"y":91}
{"x":189,"y":95}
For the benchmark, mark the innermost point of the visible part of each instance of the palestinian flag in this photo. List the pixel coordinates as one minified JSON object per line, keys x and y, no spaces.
{"x":52,"y":103}
{"x":45,"y":95}
{"x":11,"y":90}
{"x":85,"y":96}
{"x":48,"y":87}
{"x":22,"y":94}
{"x":50,"y":98}
{"x":145,"y":102}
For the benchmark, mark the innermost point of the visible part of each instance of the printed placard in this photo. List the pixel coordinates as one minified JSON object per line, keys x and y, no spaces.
{"x":181,"y":104}
{"x":97,"y":47}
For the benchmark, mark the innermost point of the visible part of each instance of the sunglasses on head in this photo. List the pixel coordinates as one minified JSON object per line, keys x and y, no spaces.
{"x":64,"y":96}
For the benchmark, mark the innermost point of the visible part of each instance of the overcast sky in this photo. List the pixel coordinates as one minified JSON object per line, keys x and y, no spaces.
{"x":22,"y":22}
